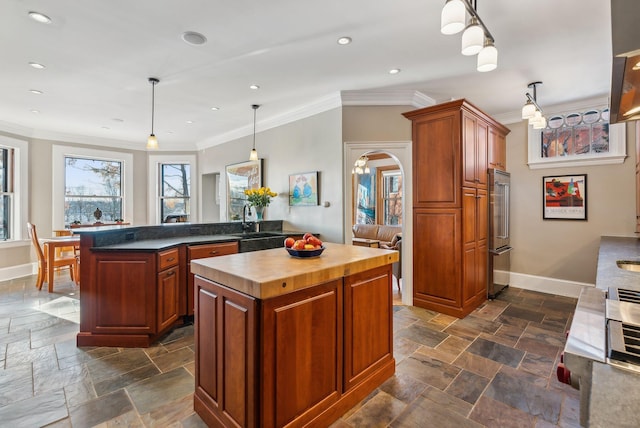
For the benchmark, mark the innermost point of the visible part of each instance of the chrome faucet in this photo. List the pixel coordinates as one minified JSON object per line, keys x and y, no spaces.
{"x":245,"y":210}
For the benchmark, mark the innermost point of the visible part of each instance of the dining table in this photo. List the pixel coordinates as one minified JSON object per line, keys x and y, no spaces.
{"x":49,"y":245}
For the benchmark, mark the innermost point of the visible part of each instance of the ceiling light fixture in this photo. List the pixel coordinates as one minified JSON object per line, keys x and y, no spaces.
{"x":476,"y":39}
{"x":37,"y":65}
{"x":194,"y":38}
{"x":152,"y":141}
{"x":215,"y":108}
{"x":344,"y":40}
{"x":361,"y":166}
{"x":394,"y":71}
{"x":40,"y":17}
{"x":253,"y":156}
{"x":532,"y":111}
{"x":35,"y":91}
{"x":254,"y":87}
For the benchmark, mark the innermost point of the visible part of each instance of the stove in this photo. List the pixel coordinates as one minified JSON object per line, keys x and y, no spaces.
{"x":623,"y":328}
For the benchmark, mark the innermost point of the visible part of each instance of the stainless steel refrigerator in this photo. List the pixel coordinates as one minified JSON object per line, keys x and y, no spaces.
{"x":499,"y":246}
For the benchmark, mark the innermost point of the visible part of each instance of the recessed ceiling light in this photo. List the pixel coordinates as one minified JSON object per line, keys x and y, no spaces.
{"x":42,"y":18}
{"x":35,"y":111}
{"x":169,"y":132}
{"x":254,"y":87}
{"x":344,"y":40}
{"x":106,"y":127}
{"x":215,"y":108}
{"x":117,"y":119}
{"x":194,"y":38}
{"x":189,"y":122}
{"x":394,"y":71}
{"x":35,"y":91}
{"x":37,"y":65}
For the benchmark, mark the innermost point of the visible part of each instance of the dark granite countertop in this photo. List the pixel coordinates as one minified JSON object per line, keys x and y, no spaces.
{"x":163,"y":244}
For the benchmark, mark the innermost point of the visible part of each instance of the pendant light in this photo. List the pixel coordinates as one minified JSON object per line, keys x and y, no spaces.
{"x":472,"y":38}
{"x":253,"y":156}
{"x":152,"y":141}
{"x":452,"y":18}
{"x":532,"y":111}
{"x":488,"y":57}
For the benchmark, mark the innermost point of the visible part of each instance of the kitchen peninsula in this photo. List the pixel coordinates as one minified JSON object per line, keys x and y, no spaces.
{"x":282,"y":341}
{"x":136,"y":283}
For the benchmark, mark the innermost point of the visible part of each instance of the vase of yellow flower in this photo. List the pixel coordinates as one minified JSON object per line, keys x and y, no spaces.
{"x":259,"y":199}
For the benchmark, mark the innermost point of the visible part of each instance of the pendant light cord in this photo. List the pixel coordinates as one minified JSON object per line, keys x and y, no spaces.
{"x":153,"y":103}
{"x":255,"y":107}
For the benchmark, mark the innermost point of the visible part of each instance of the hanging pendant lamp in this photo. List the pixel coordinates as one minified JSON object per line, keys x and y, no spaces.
{"x":152,"y":141}
{"x":253,"y":156}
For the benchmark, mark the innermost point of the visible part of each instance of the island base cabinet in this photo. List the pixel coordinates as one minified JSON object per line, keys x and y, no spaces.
{"x":281,"y":362}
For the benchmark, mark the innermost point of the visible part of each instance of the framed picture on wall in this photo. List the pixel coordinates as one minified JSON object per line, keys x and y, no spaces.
{"x":303,"y":189}
{"x":241,"y":176}
{"x":564,"y":197}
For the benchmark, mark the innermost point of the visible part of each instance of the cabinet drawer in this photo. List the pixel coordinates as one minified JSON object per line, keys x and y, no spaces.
{"x":211,"y":250}
{"x":167,"y":259}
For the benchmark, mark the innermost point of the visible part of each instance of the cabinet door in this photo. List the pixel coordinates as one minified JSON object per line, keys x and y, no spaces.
{"x":367,"y":308}
{"x":226,"y":391}
{"x":302,"y":354}
{"x":125,"y":283}
{"x":497,"y":156}
{"x":168,"y":292}
{"x":474,"y":144}
{"x":436,"y":160}
{"x":437,"y":259}
{"x":200,"y":252}
{"x":475,"y":230}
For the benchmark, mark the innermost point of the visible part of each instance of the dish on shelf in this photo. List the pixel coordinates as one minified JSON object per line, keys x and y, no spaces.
{"x":302,"y":254}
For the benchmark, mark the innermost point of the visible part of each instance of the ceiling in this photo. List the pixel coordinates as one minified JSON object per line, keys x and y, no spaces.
{"x":99,"y":54}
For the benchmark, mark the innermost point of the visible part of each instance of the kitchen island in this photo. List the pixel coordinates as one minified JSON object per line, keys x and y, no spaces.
{"x":282,"y":341}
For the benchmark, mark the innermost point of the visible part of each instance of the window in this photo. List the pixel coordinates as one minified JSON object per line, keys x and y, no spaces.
{"x":577,"y":135}
{"x":92,"y":186}
{"x":391,"y":197}
{"x":175,"y":184}
{"x":6,"y":193}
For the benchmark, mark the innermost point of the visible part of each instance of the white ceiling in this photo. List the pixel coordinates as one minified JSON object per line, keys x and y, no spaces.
{"x":99,"y":53}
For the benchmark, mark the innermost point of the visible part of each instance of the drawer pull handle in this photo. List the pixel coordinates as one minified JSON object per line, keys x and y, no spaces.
{"x":213,"y":252}
{"x":173,"y":272}
{"x":171,"y":259}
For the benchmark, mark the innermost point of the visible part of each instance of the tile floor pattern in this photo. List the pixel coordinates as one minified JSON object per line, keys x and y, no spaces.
{"x":495,"y":368}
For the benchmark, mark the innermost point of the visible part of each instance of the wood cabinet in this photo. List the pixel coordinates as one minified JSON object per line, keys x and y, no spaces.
{"x":497,"y":150}
{"x":297,"y":359}
{"x":637,"y":176}
{"x":168,"y":289}
{"x":453,"y":144}
{"x":200,"y":252}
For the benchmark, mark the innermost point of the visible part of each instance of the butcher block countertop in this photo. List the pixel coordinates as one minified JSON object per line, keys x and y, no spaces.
{"x":269,"y":273}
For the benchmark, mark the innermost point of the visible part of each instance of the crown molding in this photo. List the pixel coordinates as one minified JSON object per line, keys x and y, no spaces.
{"x":398,"y":97}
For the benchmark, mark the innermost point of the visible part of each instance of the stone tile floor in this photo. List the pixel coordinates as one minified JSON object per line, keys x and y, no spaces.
{"x":494,"y":368}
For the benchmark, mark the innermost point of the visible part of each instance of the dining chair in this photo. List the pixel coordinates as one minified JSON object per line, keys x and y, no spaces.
{"x":70,"y":261}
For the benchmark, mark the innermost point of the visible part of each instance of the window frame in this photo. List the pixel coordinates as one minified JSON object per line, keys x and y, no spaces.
{"x":153,"y":183}
{"x":381,"y":173}
{"x":617,"y":141}
{"x":59,"y":153}
{"x":162,"y":197}
{"x":20,"y":201}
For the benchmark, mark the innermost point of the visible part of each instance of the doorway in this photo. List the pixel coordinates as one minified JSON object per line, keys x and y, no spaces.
{"x":211,"y":198}
{"x":386,"y":157}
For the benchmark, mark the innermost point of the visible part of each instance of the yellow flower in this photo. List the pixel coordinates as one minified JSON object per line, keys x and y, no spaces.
{"x":260,"y":197}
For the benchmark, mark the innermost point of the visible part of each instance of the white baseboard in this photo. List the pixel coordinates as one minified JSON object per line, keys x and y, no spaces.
{"x":18,"y":271}
{"x":543,"y":284}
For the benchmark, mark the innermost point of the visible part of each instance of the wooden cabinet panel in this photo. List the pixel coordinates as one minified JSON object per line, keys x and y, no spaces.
{"x":200,"y":252}
{"x":302,"y":334}
{"x":474,"y":231}
{"x":436,"y":160}
{"x":497,"y":156}
{"x":226,"y":376}
{"x":437,"y":256}
{"x":168,"y":296}
{"x":366,"y":309}
{"x":482,"y":136}
{"x":474,"y":143}
{"x":126,"y":284}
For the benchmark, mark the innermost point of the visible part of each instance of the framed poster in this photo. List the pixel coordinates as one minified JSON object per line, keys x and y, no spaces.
{"x":564,"y":197}
{"x":303,"y":189}
{"x":241,"y":176}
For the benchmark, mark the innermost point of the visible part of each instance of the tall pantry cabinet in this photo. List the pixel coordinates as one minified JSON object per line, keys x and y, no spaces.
{"x":453,"y":145}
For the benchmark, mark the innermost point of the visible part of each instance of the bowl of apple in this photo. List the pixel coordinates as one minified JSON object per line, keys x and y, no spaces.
{"x":308,"y":246}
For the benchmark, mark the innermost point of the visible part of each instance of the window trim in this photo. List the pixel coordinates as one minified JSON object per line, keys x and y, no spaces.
{"x":20,"y":189}
{"x":153,"y":183}
{"x":57,"y":158}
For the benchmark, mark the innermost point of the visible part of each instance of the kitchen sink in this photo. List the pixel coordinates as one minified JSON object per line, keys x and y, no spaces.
{"x":631,"y":265}
{"x":256,"y":241}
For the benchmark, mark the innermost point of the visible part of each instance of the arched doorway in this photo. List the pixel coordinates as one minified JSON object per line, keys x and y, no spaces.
{"x":398,"y":154}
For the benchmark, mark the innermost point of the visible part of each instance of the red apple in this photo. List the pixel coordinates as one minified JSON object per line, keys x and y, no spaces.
{"x":289,"y":242}
{"x":307,"y":236}
{"x":314,"y":241}
{"x":299,"y":244}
